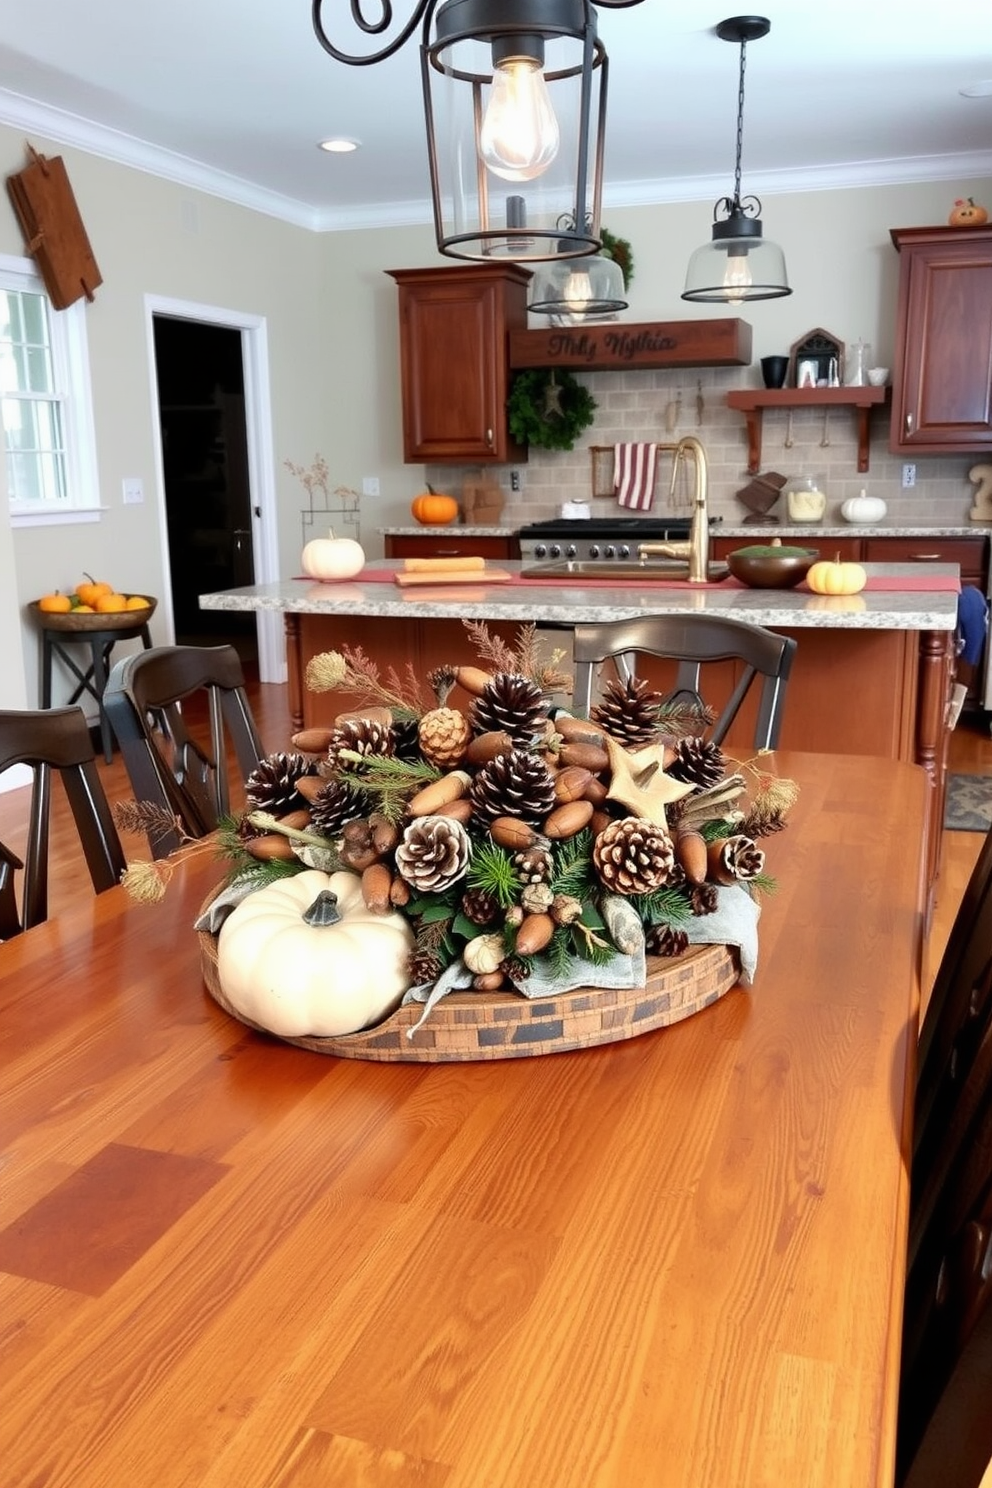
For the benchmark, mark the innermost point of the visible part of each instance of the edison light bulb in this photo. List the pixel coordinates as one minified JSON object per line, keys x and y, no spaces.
{"x":737,"y":277}
{"x":519,"y":136}
{"x":578,"y":291}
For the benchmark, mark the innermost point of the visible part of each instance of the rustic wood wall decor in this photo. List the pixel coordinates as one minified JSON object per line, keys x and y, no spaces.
{"x":53,"y":230}
{"x":821,"y":347}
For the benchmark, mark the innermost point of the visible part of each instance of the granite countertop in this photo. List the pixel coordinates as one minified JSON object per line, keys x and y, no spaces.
{"x":566,"y":605}
{"x":451,"y":529}
{"x":831,"y":527}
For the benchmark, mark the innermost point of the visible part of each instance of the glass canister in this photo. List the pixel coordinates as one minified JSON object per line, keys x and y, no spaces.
{"x":805,"y":498}
{"x":858,"y":362}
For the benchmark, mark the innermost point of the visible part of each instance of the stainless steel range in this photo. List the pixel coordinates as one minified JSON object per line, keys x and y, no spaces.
{"x":596,"y":538}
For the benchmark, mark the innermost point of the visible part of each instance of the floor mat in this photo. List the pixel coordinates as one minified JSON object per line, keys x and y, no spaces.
{"x":969,"y":803}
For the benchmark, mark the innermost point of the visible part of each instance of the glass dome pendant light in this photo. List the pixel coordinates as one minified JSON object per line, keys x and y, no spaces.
{"x":739,"y":264}
{"x":575,"y":290}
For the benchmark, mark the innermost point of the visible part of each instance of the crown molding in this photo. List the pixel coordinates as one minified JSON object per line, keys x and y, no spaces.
{"x":108,"y":144}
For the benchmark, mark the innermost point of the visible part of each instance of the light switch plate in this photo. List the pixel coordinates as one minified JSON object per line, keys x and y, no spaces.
{"x":134,"y":489}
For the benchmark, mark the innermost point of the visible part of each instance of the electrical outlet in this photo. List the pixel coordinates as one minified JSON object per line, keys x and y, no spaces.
{"x":370,"y":485}
{"x":514,"y":480}
{"x":133,"y":489}
{"x":908,"y":476}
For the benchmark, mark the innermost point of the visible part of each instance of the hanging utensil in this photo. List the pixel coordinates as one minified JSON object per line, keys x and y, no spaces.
{"x":673,"y":413}
{"x":700,"y":403}
{"x":789,"y":441}
{"x":825,"y":436}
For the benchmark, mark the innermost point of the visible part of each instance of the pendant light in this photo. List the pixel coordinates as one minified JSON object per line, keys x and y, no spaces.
{"x":515,"y":104}
{"x":574,"y":291}
{"x":739,"y":264}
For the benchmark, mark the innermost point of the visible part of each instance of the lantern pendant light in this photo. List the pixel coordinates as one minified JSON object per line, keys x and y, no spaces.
{"x":739,"y":264}
{"x":574,"y":291}
{"x":515,"y":102}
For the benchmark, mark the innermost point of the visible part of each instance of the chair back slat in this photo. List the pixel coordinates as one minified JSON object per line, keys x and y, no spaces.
{"x":51,"y":740}
{"x":693,"y":641}
{"x":152,"y":699}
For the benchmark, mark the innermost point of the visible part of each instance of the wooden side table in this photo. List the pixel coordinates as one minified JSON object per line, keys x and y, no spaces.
{"x":61,"y":631}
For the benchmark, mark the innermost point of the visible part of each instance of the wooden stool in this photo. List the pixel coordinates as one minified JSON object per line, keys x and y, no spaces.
{"x":55,"y":641}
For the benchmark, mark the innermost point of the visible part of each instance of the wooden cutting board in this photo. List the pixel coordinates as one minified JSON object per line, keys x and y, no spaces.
{"x":452,"y":576}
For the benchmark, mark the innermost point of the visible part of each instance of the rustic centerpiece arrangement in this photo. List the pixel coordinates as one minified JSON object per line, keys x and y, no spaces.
{"x":425,"y":881}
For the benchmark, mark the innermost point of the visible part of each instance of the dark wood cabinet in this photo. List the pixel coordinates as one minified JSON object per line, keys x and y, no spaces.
{"x":942,"y":375}
{"x":454,"y":355}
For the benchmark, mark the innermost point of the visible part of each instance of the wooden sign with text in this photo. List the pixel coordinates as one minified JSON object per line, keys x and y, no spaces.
{"x":615,"y":346}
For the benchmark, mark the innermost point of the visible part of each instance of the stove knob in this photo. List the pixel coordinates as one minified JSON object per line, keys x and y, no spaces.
{"x":594,"y":550}
{"x":610,"y":550}
{"x":571,"y":550}
{"x":540,"y":551}
{"x":555,"y":550}
{"x":624,"y":551}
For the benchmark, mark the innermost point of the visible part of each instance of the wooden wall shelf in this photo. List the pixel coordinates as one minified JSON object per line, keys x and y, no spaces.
{"x":752,"y":402}
{"x":617,"y":346}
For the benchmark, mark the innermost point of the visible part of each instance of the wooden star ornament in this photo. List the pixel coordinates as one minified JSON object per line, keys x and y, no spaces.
{"x":638,"y":780}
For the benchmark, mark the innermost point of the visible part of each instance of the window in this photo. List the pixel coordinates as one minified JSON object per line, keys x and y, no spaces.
{"x":45,"y":407}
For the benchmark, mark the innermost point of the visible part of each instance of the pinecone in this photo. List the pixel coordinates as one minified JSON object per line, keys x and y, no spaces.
{"x":434,"y":854}
{"x":628,"y":712}
{"x":735,"y":859}
{"x":271,"y":786}
{"x":515,"y":969}
{"x":697,"y":762}
{"x":444,"y":735}
{"x":479,"y":907}
{"x":406,"y":738}
{"x":533,"y":865}
{"x":442,"y":679}
{"x":703,"y":899}
{"x":633,"y":856}
{"x":512,"y":703}
{"x":762,"y":824}
{"x":363,"y":736}
{"x":515,"y":784}
{"x":423,"y":966}
{"x":334,"y":805}
{"x":665,"y":940}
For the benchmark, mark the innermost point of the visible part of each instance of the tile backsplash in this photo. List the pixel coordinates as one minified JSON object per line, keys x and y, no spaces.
{"x":665,"y":405}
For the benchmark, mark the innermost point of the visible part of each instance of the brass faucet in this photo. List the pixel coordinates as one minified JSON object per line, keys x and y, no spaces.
{"x":697,"y":549}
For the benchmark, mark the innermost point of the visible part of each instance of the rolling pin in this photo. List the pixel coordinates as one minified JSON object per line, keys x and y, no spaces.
{"x":443,"y":565}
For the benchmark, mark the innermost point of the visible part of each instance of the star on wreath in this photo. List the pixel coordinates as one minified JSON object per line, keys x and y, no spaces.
{"x":639,"y":781}
{"x":552,"y":400}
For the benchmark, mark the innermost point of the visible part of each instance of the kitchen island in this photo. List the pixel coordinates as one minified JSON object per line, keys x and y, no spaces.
{"x":872,"y":672}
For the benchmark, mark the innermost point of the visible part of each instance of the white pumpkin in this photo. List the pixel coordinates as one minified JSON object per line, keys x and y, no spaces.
{"x":333,"y":557}
{"x":297,"y":978}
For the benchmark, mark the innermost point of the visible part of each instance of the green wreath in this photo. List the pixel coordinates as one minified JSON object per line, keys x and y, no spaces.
{"x":620,"y":251}
{"x":549,"y":408}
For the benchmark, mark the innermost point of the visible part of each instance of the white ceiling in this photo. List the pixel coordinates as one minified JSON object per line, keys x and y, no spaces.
{"x":233,"y":95}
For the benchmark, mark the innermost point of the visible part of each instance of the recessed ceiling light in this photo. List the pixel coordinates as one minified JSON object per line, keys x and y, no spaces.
{"x":977,"y":90}
{"x":338,"y":145}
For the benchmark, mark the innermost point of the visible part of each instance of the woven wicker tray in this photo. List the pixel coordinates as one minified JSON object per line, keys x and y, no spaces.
{"x":502,"y":1025}
{"x":71,"y":620}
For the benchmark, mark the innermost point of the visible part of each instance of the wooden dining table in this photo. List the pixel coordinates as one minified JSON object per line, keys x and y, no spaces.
{"x":673,"y":1261}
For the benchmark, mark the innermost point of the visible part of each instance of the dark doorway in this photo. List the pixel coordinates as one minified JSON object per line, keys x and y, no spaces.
{"x":207,"y":495}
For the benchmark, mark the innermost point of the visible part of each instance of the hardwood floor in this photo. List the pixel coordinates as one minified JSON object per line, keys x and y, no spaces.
{"x":971,"y":752}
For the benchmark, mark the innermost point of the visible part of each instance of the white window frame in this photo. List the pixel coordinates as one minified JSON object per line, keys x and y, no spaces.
{"x":71,"y":370}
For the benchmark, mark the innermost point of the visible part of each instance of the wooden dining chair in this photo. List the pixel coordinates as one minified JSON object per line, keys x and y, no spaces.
{"x":175,"y":711}
{"x":47,"y":740}
{"x":694,"y":642}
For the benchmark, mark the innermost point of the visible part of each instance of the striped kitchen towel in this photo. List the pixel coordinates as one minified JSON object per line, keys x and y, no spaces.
{"x":634,"y":468}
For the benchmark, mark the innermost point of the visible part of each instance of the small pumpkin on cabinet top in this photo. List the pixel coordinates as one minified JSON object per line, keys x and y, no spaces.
{"x":966,"y":212}
{"x":333,"y":557}
{"x":832,"y":576}
{"x":304,"y":956}
{"x":433,"y":508}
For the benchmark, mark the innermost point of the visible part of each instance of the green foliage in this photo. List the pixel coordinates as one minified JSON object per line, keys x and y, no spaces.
{"x":549,"y":408}
{"x":390,"y":780}
{"x":572,"y":870}
{"x":259,"y":875}
{"x":493,"y":872}
{"x":621,"y":253}
{"x":666,"y":906}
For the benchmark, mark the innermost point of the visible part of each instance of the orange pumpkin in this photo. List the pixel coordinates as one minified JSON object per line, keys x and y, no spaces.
{"x":434,"y":509}
{"x":967,"y":213}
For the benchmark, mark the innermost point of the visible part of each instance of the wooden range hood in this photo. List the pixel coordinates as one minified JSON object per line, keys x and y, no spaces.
{"x":617,"y":346}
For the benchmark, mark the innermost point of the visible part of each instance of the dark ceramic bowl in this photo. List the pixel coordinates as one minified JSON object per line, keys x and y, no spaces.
{"x":767,"y":567}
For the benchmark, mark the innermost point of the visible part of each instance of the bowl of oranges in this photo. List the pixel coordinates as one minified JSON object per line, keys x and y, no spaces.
{"x":93,"y":605}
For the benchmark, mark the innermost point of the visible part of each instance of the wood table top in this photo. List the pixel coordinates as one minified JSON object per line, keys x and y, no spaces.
{"x":675,"y":1261}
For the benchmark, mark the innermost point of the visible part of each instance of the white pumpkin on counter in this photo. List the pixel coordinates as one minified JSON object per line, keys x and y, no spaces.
{"x":329,"y":558}
{"x":863,"y":508}
{"x":303,"y":956}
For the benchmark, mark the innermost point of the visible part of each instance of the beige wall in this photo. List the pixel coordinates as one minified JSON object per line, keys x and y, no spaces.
{"x":330,"y":312}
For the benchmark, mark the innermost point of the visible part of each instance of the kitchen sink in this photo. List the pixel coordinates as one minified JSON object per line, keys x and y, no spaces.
{"x":632,"y":570}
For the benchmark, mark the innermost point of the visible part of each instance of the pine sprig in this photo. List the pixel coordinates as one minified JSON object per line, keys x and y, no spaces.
{"x":572,"y":866}
{"x":665,"y":906}
{"x":523,"y":658}
{"x":493,"y":651}
{"x":492,"y":872}
{"x":392,"y":781}
{"x":685,"y":719}
{"x":145,"y":818}
{"x":351,"y":670}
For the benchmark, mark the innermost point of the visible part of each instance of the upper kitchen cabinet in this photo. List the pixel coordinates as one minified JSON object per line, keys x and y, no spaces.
{"x":454,"y":336}
{"x":942,"y":377}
